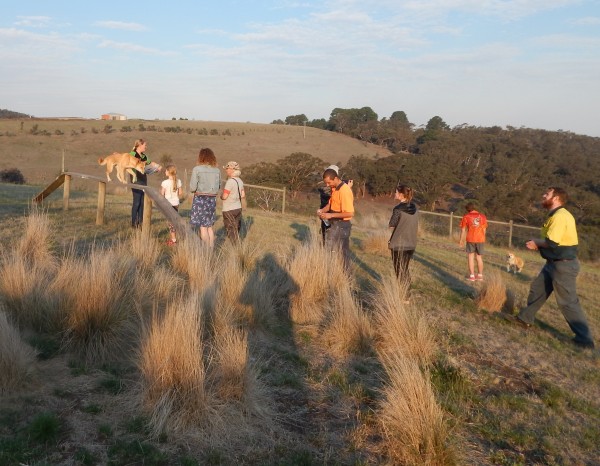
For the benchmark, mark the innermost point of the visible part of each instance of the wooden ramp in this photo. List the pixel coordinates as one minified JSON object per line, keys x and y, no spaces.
{"x":152,"y":197}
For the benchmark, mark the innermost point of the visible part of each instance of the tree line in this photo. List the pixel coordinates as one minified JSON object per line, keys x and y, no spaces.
{"x":503,"y":170}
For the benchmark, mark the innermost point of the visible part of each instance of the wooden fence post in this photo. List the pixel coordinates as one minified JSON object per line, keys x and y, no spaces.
{"x":147,"y":218}
{"x":101,"y":203}
{"x":510,"y":233}
{"x":66,"y":192}
{"x":451,"y":218}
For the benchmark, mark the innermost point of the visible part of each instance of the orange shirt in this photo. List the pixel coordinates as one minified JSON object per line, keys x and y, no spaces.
{"x":476,"y":224}
{"x":342,"y":199}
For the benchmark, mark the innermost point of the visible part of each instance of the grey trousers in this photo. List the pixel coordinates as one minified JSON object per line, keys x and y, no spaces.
{"x":338,"y":237}
{"x":559,"y":277}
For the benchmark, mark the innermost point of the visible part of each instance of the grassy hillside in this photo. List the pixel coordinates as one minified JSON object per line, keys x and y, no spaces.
{"x":296,"y":366}
{"x":39,"y":156}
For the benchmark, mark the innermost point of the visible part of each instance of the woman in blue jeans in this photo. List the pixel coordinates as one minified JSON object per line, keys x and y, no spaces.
{"x":137,"y":208}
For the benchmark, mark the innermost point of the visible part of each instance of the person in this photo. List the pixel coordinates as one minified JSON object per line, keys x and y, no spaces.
{"x":339,"y":212}
{"x":137,"y":207}
{"x":558,"y":245}
{"x":473,"y":227}
{"x":205,"y":183}
{"x":232,"y":196}
{"x":325,"y":195}
{"x":171,"y":189}
{"x":403,"y":240}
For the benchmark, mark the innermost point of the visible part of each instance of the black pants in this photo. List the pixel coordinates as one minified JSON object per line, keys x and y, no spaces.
{"x":401,"y":260}
{"x":337,"y":237}
{"x":137,"y":209}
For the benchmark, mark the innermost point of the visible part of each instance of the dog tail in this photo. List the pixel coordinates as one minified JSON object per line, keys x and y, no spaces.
{"x":101,"y":161}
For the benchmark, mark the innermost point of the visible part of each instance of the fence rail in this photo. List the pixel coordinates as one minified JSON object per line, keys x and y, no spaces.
{"x":508,"y":233}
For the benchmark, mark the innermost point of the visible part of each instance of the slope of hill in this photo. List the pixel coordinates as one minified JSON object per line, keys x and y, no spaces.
{"x":36,"y":147}
{"x":510,"y":396}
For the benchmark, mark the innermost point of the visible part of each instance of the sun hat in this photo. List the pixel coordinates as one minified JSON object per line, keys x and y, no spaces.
{"x":234,"y":165}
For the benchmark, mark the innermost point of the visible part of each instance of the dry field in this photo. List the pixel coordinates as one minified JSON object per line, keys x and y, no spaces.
{"x":115,"y":349}
{"x":39,"y":157}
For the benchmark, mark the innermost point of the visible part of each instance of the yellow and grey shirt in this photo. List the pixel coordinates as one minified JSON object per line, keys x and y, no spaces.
{"x":560,"y":233}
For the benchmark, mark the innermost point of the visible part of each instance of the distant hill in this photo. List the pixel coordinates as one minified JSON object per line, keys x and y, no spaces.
{"x":4,"y":113}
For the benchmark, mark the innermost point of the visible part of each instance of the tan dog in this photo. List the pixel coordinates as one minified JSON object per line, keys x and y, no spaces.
{"x":514,"y":263}
{"x":124,"y":163}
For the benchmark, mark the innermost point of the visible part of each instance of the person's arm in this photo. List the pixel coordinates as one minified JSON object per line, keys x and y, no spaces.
{"x":225,"y":194}
{"x":535,"y":243}
{"x":463,"y":236}
{"x":162,"y":190}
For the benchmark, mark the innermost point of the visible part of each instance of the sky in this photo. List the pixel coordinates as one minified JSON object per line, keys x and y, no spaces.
{"x":531,"y":63}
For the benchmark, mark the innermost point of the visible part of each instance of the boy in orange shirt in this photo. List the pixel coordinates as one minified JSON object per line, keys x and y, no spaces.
{"x":473,"y":226}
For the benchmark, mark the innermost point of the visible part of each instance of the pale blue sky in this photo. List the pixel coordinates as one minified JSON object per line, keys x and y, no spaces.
{"x":533,"y":63}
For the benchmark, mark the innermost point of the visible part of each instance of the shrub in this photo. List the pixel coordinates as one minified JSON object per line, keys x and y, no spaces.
{"x":12,"y":175}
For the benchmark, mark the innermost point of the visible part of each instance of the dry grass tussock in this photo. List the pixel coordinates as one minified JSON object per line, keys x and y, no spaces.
{"x":17,"y":359}
{"x":173,"y":390}
{"x":401,"y":327}
{"x":23,"y":288}
{"x":240,"y":298}
{"x":195,"y":261}
{"x":316,"y":272}
{"x":377,"y":243}
{"x":411,"y":420}
{"x":348,"y":329}
{"x":143,"y":247}
{"x":97,"y":295}
{"x":492,"y":296}
{"x":25,"y":271}
{"x":373,"y":220}
{"x":34,"y":245}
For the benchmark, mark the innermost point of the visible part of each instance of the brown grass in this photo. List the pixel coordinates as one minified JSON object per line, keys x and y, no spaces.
{"x":17,"y":359}
{"x":492,"y":295}
{"x":144,"y":248}
{"x":173,"y":390}
{"x":96,"y":293}
{"x":377,"y":243}
{"x":24,"y":291}
{"x":316,"y":273}
{"x":401,"y":327}
{"x":347,"y":329}
{"x":35,"y":243}
{"x":195,"y":261}
{"x":411,"y":420}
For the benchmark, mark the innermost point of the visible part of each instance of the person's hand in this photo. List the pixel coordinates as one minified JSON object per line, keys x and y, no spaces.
{"x":531,"y":244}
{"x":350,"y":183}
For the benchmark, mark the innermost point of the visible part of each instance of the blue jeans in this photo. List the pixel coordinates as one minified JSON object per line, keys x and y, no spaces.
{"x":560,"y":277}
{"x":137,"y":209}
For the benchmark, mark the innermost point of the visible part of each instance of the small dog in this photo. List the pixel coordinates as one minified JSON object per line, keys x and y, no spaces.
{"x":124,"y":163}
{"x":514,"y":263}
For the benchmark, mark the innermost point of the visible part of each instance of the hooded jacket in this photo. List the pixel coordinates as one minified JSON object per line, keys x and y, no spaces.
{"x":405,"y":220}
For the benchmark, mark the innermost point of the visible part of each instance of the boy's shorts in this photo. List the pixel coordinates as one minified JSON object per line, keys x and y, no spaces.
{"x":475,"y":248}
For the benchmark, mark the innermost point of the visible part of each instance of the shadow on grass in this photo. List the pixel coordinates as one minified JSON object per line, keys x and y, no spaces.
{"x":443,"y":276}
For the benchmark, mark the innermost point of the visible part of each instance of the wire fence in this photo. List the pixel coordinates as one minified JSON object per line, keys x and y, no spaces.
{"x":510,"y":234}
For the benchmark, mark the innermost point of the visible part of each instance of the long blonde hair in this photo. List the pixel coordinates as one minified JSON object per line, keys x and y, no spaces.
{"x":137,"y":143}
{"x":171,"y":172}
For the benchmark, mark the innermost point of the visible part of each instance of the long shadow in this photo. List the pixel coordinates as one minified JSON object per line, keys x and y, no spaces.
{"x":361,"y":264}
{"x":285,"y":363}
{"x":444,"y":277}
{"x":302,"y":231}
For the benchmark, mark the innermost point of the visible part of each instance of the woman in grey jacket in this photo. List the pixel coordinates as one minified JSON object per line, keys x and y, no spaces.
{"x":403,"y":241}
{"x":205,"y":183}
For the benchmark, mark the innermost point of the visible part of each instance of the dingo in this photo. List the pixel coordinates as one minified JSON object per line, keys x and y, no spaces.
{"x":514,"y":263}
{"x":124,"y":163}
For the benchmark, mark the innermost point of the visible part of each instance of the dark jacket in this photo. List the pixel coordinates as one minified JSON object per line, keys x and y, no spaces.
{"x":405,"y":221}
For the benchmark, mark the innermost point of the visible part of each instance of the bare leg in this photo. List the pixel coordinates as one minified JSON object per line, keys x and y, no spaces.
{"x":480,"y":264}
{"x":471,"y":261}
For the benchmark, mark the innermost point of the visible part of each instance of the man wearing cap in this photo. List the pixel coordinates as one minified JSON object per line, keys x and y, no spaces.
{"x":338,"y":212}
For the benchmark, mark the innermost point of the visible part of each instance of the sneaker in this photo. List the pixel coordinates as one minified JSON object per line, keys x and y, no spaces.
{"x":479,"y":277}
{"x":471,"y":278}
